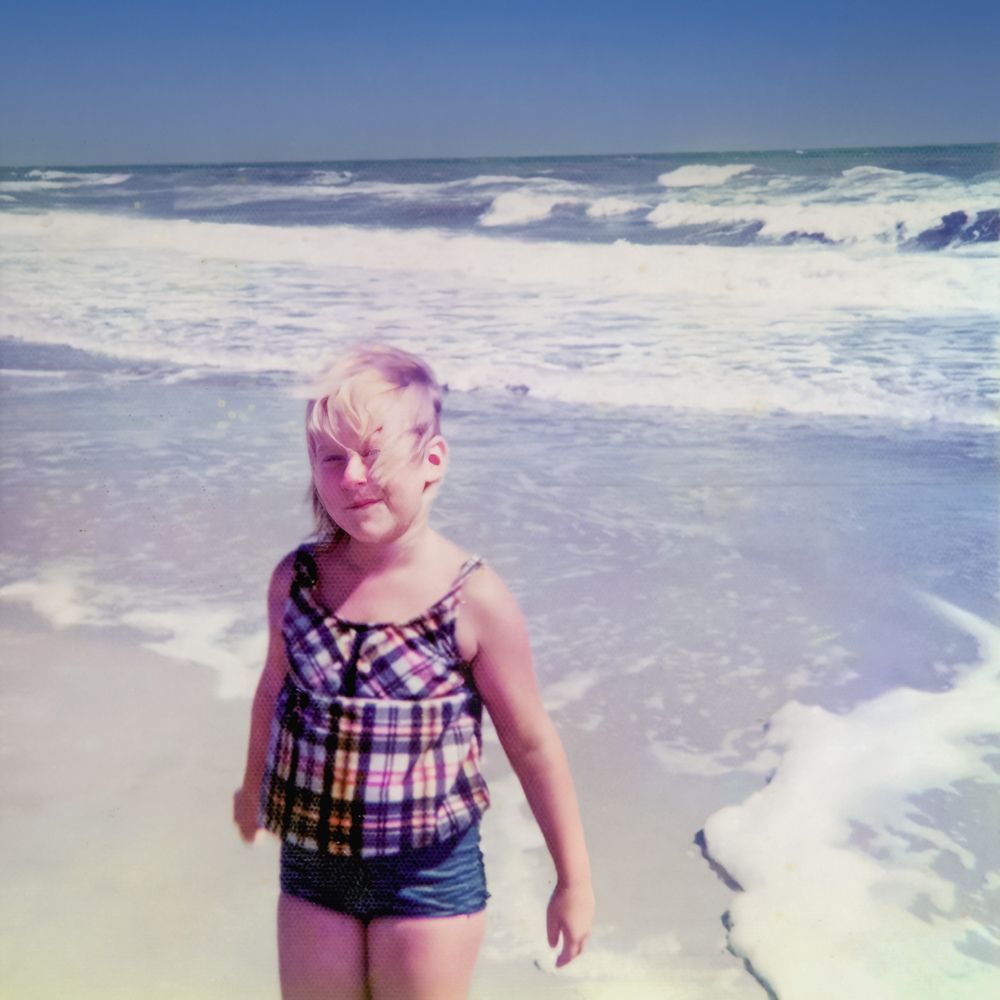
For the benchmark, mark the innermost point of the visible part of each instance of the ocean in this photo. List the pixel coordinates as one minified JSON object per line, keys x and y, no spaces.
{"x":726,"y":423}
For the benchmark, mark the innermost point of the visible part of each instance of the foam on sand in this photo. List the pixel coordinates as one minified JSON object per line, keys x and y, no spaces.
{"x":846,"y":892}
{"x":515,"y":951}
{"x":55,"y":595}
{"x":215,"y":636}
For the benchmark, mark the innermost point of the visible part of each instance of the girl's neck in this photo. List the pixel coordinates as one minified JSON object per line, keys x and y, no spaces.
{"x":382,"y":556}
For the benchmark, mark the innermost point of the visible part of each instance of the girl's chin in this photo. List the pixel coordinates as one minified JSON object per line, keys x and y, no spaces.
{"x":376,"y":531}
{"x":351,"y":517}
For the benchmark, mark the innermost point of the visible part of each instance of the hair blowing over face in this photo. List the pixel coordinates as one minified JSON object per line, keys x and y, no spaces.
{"x":384,"y":396}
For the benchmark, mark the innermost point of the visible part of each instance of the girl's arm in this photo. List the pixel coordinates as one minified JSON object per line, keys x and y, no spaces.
{"x":505,"y":677}
{"x":247,"y":797}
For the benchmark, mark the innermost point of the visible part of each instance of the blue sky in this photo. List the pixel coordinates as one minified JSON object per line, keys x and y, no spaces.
{"x":136,"y":82}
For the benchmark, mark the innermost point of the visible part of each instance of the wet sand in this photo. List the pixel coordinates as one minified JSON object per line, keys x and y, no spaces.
{"x":683,"y":578}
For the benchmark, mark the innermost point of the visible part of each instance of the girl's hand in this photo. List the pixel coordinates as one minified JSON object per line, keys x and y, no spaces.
{"x":570,"y":913}
{"x":245,"y":814}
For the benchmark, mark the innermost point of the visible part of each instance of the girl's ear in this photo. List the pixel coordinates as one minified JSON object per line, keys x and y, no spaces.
{"x":436,"y":459}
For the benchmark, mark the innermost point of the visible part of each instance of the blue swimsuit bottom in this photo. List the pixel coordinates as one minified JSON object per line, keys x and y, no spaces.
{"x":441,"y":880}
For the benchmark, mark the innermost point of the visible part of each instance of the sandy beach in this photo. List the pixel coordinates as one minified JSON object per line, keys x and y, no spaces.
{"x":670,"y":620}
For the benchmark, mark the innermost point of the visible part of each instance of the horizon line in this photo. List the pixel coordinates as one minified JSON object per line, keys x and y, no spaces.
{"x":803,"y":150}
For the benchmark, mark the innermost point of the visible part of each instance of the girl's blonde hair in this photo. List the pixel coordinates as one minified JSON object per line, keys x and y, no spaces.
{"x":387,"y":398}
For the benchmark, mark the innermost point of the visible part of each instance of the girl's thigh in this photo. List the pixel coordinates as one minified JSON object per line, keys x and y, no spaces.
{"x":321,"y":953}
{"x":423,"y":958}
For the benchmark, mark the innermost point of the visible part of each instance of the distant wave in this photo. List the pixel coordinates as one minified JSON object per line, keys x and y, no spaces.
{"x":535,"y":200}
{"x":702,"y":175}
{"x":614,"y":206}
{"x":74,"y":179}
{"x":866,"y":172}
{"x":336,"y":184}
{"x":488,"y":179}
{"x":929,"y":225}
{"x":46,"y":180}
{"x":331,"y":176}
{"x":516,"y":207}
{"x":54,"y":175}
{"x":863,"y":204}
{"x":332,"y":186}
{"x":733,"y":204}
{"x":231,"y":195}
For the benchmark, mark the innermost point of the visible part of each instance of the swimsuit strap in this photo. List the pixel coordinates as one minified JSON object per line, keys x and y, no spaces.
{"x":468,"y":567}
{"x":305,"y":572}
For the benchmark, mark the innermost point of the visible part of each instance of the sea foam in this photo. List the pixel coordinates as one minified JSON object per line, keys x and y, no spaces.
{"x":846,"y":891}
{"x":703,"y":332}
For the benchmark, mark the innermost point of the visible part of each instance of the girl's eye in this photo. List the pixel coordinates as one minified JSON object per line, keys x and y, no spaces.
{"x":333,"y":458}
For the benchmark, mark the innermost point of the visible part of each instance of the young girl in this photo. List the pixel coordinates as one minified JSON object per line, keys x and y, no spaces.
{"x":365,"y":736}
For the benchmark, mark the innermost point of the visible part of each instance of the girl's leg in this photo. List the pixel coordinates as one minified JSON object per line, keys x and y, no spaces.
{"x":321,"y":953}
{"x":423,"y":958}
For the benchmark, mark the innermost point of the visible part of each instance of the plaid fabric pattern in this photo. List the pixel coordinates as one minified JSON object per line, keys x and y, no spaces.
{"x":376,"y":740}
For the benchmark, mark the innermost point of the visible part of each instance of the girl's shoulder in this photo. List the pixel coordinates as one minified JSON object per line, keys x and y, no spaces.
{"x":492,"y":631}
{"x":281,"y":584}
{"x":487,"y":599}
{"x":488,"y":610}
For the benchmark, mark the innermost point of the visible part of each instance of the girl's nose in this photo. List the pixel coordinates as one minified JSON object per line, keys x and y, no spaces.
{"x":355,"y":470}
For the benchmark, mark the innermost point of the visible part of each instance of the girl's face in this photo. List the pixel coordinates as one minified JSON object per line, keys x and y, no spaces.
{"x":375,"y":508}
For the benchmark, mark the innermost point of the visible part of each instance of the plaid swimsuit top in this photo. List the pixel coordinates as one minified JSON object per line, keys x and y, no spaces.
{"x":376,"y":739}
